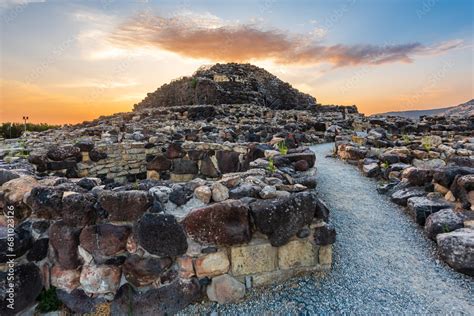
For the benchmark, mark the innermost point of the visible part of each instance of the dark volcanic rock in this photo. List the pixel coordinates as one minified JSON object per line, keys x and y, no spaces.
{"x":208,"y":169}
{"x":280,"y":219}
{"x":78,"y":209}
{"x":445,"y":176}
{"x":174,"y":151}
{"x":457,"y":249}
{"x":421,"y":207}
{"x":283,"y":160}
{"x":417,"y":176}
{"x":27,"y":285}
{"x":166,"y":300}
{"x":61,"y":153}
{"x":224,"y":223}
{"x":308,"y":181}
{"x":228,"y":161}
{"x":244,"y":190}
{"x":461,"y":187}
{"x":401,"y":196}
{"x":64,"y":239}
{"x":22,"y":242}
{"x":185,"y":166}
{"x":180,"y":195}
{"x":96,"y":155}
{"x":301,"y":165}
{"x":39,"y":250}
{"x":87,"y":183}
{"x":159,"y":163}
{"x":104,"y":240}
{"x":124,"y":205}
{"x":322,"y":211}
{"x":141,"y":271}
{"x":78,"y":301}
{"x":7,"y":175}
{"x":85,"y":145}
{"x":161,"y":235}
{"x":46,"y":202}
{"x":443,"y":221}
{"x":325,"y":235}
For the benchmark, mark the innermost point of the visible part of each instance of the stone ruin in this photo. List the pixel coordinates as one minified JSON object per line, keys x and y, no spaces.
{"x":205,"y":190}
{"x":230,"y":84}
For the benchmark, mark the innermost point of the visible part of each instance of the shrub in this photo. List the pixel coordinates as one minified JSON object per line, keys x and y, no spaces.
{"x":48,"y":301}
{"x":271,"y":165}
{"x":15,"y":130}
{"x":194,"y":82}
{"x":426,"y":143}
{"x":282,"y":148}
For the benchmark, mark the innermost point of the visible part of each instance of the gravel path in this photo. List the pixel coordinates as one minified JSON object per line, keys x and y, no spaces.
{"x":383,"y":263}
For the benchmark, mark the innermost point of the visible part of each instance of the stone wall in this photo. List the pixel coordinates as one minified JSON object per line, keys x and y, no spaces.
{"x":155,"y":246}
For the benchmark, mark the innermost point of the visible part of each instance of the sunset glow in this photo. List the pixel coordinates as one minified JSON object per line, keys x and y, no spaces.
{"x":70,"y":62}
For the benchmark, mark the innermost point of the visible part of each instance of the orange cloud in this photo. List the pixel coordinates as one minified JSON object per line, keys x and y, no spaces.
{"x":216,"y":40}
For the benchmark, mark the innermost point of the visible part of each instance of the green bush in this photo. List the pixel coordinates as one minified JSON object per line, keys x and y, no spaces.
{"x":271,"y":165}
{"x":48,"y":301}
{"x":282,"y":147}
{"x":194,"y":82}
{"x":15,"y":130}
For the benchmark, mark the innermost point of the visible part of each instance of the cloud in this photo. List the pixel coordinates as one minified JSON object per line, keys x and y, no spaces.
{"x":208,"y":37}
{"x":14,"y":3}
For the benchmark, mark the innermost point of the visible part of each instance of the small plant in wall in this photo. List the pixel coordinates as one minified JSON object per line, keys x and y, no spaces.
{"x":271,"y":165}
{"x":426,"y":143}
{"x":194,"y":82}
{"x":406,"y":139}
{"x":282,"y":148}
{"x":385,"y":165}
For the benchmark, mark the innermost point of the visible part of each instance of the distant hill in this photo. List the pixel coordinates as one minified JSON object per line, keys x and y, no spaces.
{"x":465,"y":109}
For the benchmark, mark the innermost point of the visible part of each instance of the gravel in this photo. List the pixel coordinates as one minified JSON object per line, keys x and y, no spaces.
{"x":383,"y":263}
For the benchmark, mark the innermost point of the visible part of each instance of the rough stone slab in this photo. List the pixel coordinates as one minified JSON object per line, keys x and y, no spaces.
{"x":297,"y":253}
{"x":253,"y":258}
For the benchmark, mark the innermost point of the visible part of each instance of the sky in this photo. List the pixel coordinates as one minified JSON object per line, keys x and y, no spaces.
{"x":70,"y":61}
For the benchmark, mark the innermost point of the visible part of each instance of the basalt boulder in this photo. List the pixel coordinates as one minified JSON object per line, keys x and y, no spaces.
{"x":57,"y":153}
{"x":124,"y":205}
{"x":27,"y":285}
{"x":160,"y":235}
{"x":104,"y":240}
{"x":462,"y":188}
{"x":39,"y":250}
{"x":421,"y":207}
{"x":78,"y":301}
{"x":401,"y":196}
{"x":457,"y":249}
{"x":142,"y":271}
{"x":224,"y":223}
{"x":445,"y":176}
{"x":166,"y":300}
{"x":78,"y":209}
{"x":46,"y":202}
{"x":159,"y":163}
{"x":228,"y":161}
{"x":417,"y":176}
{"x":281,"y":218}
{"x":21,"y":243}
{"x":325,"y":235}
{"x":64,"y":239}
{"x":443,"y":221}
